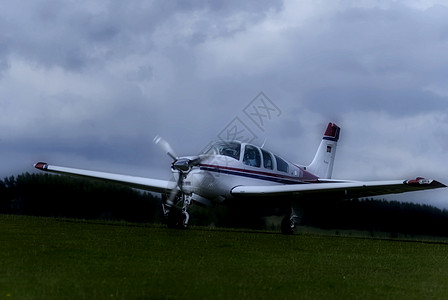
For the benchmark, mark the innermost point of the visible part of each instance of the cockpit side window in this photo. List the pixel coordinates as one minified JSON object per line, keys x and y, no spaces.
{"x":231,"y":149}
{"x":282,"y":165}
{"x":267,"y":160}
{"x":252,"y":156}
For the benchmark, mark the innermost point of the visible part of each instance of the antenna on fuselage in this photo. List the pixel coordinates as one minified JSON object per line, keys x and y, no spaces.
{"x":264,"y":142}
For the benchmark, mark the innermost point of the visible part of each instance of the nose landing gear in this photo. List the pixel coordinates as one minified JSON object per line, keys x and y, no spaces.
{"x":176,"y":217}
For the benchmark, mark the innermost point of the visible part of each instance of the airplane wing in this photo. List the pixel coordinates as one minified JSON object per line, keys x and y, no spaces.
{"x":339,"y":188}
{"x":148,"y":184}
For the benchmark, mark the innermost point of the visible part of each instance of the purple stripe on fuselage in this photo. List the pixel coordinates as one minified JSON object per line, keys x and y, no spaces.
{"x":252,"y":174}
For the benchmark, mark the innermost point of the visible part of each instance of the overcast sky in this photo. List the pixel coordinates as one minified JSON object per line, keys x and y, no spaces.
{"x":88,"y":84}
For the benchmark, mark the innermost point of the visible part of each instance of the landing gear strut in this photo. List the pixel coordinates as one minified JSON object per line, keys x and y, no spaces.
{"x":174,"y":216}
{"x":290,"y":221}
{"x":185,"y":207}
{"x":287,"y":226}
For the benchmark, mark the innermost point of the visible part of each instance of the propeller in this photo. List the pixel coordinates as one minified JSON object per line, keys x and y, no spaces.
{"x":181,"y":164}
{"x":165,"y":147}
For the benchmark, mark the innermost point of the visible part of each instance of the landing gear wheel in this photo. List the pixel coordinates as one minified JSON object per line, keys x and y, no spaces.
{"x":176,"y":219}
{"x":184,"y":222}
{"x":287,"y":226}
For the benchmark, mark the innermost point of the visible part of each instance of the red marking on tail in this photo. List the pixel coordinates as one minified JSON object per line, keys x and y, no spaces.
{"x":332,"y":132}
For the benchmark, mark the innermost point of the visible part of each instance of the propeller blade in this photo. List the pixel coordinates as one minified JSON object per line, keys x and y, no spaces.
{"x":175,"y":191}
{"x":170,"y":200}
{"x":165,"y":146}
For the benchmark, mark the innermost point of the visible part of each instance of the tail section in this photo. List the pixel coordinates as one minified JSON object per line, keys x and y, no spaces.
{"x":322,"y":164}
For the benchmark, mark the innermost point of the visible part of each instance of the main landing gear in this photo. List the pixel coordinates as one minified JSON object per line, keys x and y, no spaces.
{"x":293,"y":219}
{"x":287,"y":226}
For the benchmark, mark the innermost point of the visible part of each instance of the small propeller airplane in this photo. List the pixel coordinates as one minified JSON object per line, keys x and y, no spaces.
{"x":233,"y":171}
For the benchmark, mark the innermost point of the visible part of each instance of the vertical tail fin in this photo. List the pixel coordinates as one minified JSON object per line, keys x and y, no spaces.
{"x":322,"y":164}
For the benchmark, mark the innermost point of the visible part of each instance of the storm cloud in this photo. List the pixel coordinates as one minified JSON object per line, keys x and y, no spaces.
{"x":89,"y":83}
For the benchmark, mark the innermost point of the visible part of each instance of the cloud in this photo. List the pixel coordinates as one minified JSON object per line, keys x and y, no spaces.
{"x":91,"y":83}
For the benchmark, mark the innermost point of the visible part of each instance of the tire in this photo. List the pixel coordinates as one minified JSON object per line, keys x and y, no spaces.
{"x":286,"y":227}
{"x":175,"y":219}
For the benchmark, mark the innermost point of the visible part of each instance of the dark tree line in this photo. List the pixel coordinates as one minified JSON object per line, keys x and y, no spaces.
{"x":377,"y":215}
{"x":73,"y":197}
{"x":64,"y":196}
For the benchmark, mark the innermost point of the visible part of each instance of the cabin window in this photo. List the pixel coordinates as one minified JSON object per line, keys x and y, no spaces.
{"x":230,"y":149}
{"x":282,"y":165}
{"x":252,"y":156}
{"x":267,"y":160}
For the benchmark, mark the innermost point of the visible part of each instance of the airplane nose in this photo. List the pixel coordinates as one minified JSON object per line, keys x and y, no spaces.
{"x":182,"y":164}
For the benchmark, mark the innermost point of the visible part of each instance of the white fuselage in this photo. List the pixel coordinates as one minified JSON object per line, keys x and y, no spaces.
{"x":220,"y":171}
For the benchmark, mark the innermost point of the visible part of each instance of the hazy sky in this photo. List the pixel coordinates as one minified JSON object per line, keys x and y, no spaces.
{"x":89,"y":84}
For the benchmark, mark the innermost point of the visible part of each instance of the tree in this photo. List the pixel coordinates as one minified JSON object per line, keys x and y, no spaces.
{"x":63,"y":196}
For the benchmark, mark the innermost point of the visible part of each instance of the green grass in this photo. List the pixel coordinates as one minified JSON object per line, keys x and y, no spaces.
{"x":44,"y":258}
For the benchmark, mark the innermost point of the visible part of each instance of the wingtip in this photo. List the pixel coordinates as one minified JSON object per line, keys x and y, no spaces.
{"x":420,"y":181}
{"x":41,"y":165}
{"x":439,"y":184}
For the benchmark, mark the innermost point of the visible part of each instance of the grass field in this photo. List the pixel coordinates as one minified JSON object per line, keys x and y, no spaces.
{"x":44,"y":258}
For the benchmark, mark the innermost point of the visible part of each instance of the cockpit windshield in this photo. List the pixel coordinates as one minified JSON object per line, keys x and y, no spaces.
{"x":231,"y":149}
